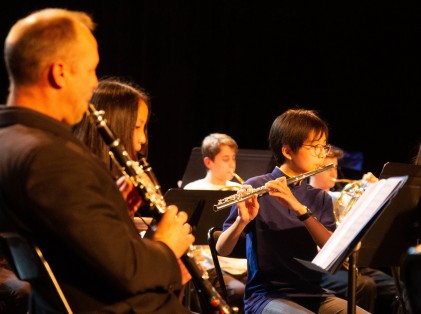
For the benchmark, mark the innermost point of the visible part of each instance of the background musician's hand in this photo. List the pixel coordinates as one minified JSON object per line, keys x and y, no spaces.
{"x":369,"y":178}
{"x":174,"y":231}
{"x":247,"y":209}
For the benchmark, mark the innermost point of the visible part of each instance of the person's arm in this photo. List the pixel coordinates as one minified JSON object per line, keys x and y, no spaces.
{"x":247,"y":211}
{"x":318,"y":231}
{"x":279,"y":189}
{"x":95,"y":226}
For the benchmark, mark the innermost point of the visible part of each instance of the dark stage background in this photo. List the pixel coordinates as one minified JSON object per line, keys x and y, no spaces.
{"x":233,"y":66}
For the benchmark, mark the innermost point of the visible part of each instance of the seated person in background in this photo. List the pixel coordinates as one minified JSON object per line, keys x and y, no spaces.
{"x":127,"y":109}
{"x":14,"y":293}
{"x":375,"y":290}
{"x":219,"y":153}
{"x":327,"y":180}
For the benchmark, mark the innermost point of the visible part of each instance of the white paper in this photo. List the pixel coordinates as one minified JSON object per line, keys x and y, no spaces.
{"x":370,"y":202}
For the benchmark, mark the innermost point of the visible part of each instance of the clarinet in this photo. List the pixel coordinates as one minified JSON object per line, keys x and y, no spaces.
{"x":147,"y":187}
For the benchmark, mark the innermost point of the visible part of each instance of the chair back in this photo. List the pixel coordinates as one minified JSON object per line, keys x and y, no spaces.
{"x":239,"y":251}
{"x":213,"y":236}
{"x":29,"y":264}
{"x":411,"y":270}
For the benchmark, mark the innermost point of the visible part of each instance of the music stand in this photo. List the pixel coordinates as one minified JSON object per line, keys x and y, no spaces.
{"x":346,"y":240}
{"x":198,"y":204}
{"x":395,"y":229}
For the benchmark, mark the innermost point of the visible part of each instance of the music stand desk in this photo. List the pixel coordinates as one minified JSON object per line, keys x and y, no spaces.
{"x":198,"y":204}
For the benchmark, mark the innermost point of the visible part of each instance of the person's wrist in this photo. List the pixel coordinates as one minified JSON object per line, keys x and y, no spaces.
{"x":305,"y":215}
{"x":240,"y":222}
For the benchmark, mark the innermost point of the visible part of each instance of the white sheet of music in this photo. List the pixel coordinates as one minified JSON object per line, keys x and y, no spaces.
{"x":371,"y":201}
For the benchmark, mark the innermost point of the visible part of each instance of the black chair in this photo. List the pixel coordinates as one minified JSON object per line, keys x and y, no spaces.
{"x":29,"y":264}
{"x":412,"y":277}
{"x":238,"y":252}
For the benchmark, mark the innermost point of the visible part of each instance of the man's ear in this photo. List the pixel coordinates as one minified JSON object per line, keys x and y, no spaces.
{"x":207,"y":161}
{"x":56,"y":74}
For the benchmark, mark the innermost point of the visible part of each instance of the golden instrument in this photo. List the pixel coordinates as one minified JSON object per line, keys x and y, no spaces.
{"x":231,"y":188}
{"x":343,"y":180}
{"x":236,"y":198}
{"x":349,"y":195}
{"x":239,"y":179}
{"x":234,"y":187}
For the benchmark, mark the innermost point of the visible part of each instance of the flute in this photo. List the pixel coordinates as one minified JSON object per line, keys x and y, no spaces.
{"x":236,"y":198}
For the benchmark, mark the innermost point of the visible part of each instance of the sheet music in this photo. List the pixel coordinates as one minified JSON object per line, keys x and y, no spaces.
{"x":371,"y":201}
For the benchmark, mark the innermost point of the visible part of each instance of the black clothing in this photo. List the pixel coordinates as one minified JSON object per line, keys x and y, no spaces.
{"x":72,"y":208}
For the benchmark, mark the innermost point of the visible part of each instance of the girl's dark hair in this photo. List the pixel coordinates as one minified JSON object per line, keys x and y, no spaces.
{"x":119,"y":100}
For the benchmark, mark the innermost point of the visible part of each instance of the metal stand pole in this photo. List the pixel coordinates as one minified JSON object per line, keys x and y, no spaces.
{"x":352,"y":279}
{"x":396,"y":276}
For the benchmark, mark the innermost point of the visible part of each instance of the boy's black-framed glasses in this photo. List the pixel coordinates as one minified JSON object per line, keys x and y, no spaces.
{"x":316,"y":150}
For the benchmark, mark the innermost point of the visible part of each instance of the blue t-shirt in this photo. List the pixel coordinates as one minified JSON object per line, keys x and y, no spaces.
{"x":275,"y":238}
